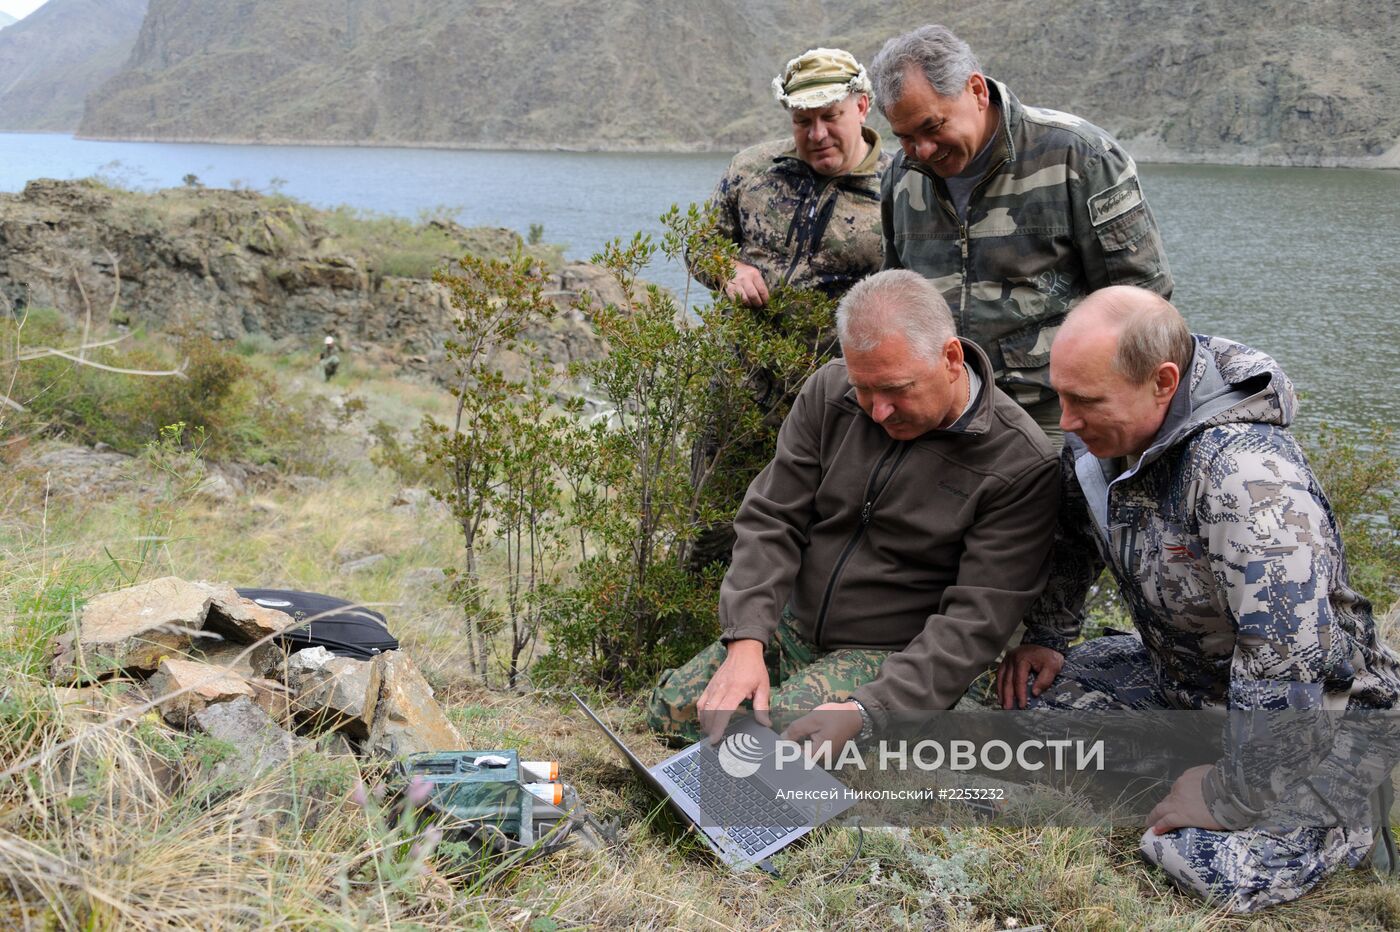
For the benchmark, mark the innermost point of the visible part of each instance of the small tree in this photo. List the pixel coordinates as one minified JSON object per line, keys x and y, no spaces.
{"x":498,"y":454}
{"x":670,"y":382}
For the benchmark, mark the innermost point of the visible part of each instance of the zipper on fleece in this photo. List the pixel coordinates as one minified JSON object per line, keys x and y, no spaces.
{"x":874,"y":485}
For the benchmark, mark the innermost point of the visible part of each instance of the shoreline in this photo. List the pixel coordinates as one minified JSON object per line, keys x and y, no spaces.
{"x":1145,"y":150}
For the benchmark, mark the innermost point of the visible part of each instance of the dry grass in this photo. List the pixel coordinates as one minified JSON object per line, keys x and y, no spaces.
{"x":123,"y":823}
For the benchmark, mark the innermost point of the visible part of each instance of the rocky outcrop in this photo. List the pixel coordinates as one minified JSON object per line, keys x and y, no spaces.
{"x":191,"y":687}
{"x":1264,"y":83}
{"x":249,"y":694}
{"x":234,"y":263}
{"x":132,"y":630}
{"x":409,"y":719}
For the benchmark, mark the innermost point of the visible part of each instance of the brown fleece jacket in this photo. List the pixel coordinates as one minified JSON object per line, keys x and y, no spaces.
{"x":932,"y":548}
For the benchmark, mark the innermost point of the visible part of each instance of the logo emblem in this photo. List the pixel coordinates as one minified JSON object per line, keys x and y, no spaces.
{"x":739,"y":755}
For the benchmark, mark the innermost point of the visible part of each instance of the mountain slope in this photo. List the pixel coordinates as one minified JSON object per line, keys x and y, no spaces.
{"x":1314,"y":83}
{"x":52,"y":59}
{"x":6,"y":20}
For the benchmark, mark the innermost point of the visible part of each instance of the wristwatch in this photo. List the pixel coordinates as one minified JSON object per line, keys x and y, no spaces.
{"x":867,"y":724}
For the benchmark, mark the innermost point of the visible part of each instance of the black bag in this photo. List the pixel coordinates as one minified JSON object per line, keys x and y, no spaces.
{"x":341,"y":627}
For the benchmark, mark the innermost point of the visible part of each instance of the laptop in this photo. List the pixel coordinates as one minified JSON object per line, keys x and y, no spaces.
{"x":745,"y":801}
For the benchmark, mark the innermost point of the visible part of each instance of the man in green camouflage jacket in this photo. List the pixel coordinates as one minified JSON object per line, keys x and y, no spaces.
{"x":1015,"y":212}
{"x":1179,"y":473}
{"x":805,"y":211}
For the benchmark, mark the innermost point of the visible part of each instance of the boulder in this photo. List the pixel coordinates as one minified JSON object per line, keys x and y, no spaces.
{"x":408,"y":719}
{"x":363,"y":563}
{"x":132,"y":629}
{"x":334,"y":692}
{"x":242,"y":620}
{"x":196,"y":687}
{"x":259,"y":744}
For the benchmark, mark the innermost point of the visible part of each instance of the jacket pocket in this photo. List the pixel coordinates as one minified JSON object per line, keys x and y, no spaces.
{"x":1132,"y":248}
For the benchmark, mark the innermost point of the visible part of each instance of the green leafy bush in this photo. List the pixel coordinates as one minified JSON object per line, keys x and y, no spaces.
{"x":238,"y":411}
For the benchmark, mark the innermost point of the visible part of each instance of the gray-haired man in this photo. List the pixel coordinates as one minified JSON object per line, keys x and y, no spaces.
{"x":1014,"y":212}
{"x":889,"y":549}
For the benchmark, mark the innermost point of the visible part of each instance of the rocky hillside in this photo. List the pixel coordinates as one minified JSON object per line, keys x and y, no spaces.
{"x":233,"y":263}
{"x":53,"y":58}
{"x":1273,"y":83}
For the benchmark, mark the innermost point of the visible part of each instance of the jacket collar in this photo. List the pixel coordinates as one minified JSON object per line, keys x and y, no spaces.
{"x":1228,"y":383}
{"x":868,"y":167}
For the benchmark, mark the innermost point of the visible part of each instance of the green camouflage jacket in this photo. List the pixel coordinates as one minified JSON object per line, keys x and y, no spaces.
{"x":800,"y":228}
{"x":1058,"y":215}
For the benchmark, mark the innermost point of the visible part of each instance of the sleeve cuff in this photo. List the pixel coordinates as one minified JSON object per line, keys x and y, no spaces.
{"x":1224,"y":807}
{"x":746,"y":633}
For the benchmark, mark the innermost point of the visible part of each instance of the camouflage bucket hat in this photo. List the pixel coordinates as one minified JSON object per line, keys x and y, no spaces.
{"x":819,"y":77}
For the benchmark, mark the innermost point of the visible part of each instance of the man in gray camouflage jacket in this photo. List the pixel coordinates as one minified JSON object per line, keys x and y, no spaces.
{"x":1179,"y":473}
{"x":1014,"y":212}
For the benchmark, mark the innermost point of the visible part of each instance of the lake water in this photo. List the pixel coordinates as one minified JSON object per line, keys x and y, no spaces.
{"x":1301,"y":263}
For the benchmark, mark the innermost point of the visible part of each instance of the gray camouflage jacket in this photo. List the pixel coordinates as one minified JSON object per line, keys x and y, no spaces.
{"x":800,"y":228}
{"x":1059,"y":214}
{"x":931,"y":548}
{"x":1227,"y":553}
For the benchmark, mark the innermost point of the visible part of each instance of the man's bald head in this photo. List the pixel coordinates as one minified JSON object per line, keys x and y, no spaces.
{"x":1116,"y":364}
{"x":1149,"y":330}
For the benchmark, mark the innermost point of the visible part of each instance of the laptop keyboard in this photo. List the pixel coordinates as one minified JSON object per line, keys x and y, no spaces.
{"x":749,"y":815}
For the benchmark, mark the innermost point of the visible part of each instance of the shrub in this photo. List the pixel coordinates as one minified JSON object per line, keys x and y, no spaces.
{"x":240,"y":412}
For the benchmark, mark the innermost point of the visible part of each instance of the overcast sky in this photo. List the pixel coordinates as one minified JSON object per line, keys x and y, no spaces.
{"x":19,"y":9}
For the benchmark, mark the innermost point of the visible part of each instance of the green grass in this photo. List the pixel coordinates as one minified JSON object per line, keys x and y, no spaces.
{"x":109,"y":823}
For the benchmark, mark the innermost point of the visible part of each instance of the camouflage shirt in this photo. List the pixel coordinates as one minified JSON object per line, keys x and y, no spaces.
{"x":1058,"y":214}
{"x":800,"y":228}
{"x":1226,"y":551}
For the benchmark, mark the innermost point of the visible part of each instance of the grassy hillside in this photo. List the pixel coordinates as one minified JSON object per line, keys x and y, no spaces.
{"x":126,"y":827}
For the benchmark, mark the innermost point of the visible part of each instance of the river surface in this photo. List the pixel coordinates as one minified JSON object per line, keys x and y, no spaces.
{"x":1301,"y":263}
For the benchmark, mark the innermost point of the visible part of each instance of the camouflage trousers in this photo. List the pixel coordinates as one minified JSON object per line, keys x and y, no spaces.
{"x":1244,"y":870}
{"x":803,"y":676}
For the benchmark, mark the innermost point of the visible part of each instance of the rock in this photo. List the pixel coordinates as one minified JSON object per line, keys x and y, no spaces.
{"x":225,"y":655}
{"x":362,"y":564}
{"x":337,"y":693}
{"x":133,"y":629}
{"x":216,"y":487}
{"x":198,"y":685}
{"x":335,"y":744}
{"x":408,"y":719}
{"x":258,"y":743}
{"x":69,"y":471}
{"x":423,"y":577}
{"x":239,"y":619}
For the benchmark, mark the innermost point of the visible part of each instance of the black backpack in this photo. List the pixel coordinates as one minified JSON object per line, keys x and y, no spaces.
{"x":341,"y":627}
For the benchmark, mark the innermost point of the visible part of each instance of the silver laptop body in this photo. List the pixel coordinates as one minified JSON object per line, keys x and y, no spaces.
{"x":744,"y":802}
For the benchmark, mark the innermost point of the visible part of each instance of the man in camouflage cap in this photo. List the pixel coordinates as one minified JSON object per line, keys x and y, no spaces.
{"x":804,"y":211}
{"x":1179,"y":473}
{"x":805,"y":214}
{"x":1014,"y":212}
